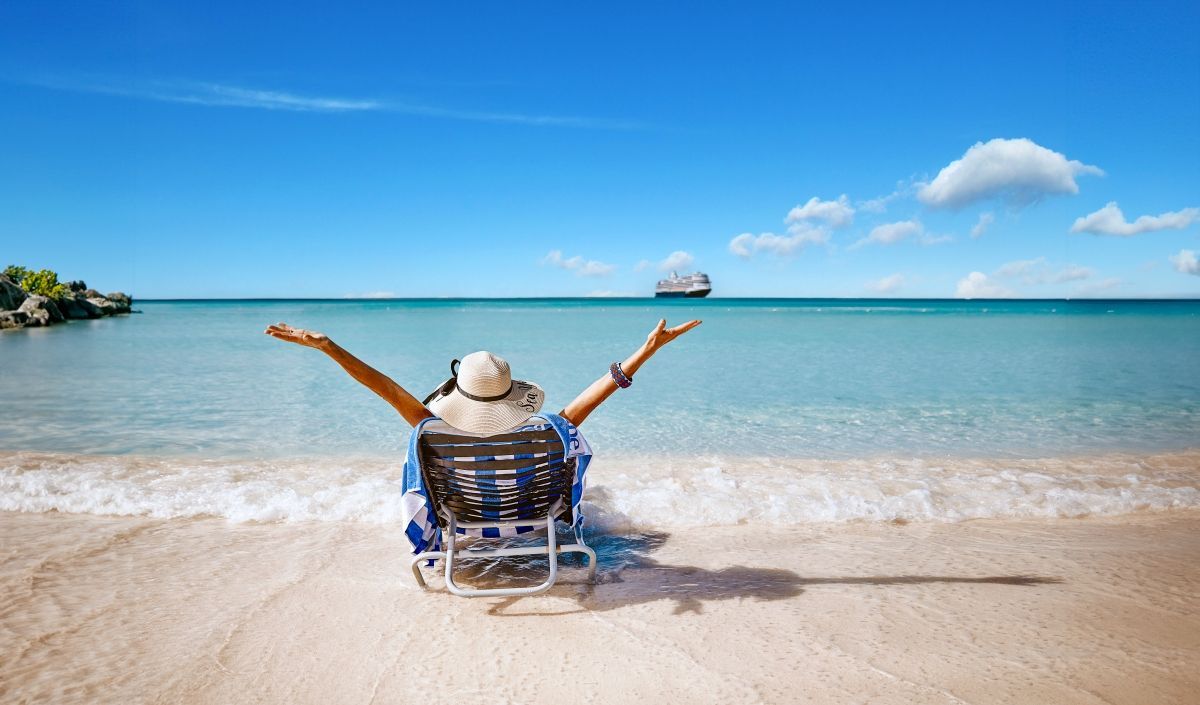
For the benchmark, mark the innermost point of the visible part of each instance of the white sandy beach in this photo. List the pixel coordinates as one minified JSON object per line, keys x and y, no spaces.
{"x":135,"y":610}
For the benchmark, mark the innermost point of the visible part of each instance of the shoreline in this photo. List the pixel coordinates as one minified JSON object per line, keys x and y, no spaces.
{"x":101,"y":609}
{"x":624,"y":492}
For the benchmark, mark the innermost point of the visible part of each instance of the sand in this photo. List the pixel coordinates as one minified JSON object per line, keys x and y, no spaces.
{"x":131,"y":610}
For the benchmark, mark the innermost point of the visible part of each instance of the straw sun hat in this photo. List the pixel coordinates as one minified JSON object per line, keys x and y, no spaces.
{"x":482,"y":397}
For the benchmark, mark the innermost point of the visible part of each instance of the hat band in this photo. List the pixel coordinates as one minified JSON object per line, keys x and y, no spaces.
{"x":496,"y":397}
{"x":451,"y":384}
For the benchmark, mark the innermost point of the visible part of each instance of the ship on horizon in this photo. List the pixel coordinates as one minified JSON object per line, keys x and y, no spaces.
{"x":695,"y":285}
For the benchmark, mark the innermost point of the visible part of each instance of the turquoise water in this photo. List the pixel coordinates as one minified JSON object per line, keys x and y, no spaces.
{"x":779,"y":378}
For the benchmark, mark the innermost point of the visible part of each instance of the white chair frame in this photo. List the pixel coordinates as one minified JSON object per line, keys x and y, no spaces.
{"x":551,"y":549}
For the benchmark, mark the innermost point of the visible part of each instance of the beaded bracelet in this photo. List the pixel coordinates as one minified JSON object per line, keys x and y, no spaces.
{"x":618,"y":375}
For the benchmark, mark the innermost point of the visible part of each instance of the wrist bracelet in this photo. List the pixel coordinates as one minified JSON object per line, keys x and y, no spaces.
{"x":618,"y":375}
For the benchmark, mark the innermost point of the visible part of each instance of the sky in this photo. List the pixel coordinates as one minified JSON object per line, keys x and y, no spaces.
{"x":192,"y":150}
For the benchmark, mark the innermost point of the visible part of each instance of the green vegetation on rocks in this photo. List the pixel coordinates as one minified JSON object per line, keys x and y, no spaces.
{"x":37,"y":298}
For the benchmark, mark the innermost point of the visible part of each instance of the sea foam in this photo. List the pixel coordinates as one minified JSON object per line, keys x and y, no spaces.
{"x":623,"y":493}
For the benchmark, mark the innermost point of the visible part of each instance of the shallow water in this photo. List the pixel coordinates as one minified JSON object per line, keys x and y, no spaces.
{"x":857,"y":401}
{"x":624,"y":493}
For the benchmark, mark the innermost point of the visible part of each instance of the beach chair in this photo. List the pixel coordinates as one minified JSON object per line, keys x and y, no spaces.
{"x":497,"y":486}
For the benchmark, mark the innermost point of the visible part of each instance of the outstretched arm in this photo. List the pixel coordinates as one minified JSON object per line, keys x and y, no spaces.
{"x":412,"y":410}
{"x":603,"y":388}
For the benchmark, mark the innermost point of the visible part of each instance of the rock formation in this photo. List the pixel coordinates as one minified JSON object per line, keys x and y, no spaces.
{"x":19,"y":309}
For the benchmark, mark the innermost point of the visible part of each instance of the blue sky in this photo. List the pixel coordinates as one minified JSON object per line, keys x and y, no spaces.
{"x":217,"y":149}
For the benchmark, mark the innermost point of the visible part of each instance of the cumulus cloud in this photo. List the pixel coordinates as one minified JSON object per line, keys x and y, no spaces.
{"x":607,"y":294}
{"x":1019,"y":171}
{"x":747,"y":244}
{"x":642,"y":264}
{"x":891,"y":233}
{"x":1038,"y":271}
{"x":976,"y":285}
{"x":880,"y":204}
{"x":887,"y":284}
{"x":1020,"y":267}
{"x":985,"y":221}
{"x":577,"y":264}
{"x":1185,"y":262}
{"x":1071,"y":273}
{"x":811,"y":223}
{"x":1109,"y":220}
{"x":675,"y":261}
{"x":836,"y":214}
{"x":1097,"y":287}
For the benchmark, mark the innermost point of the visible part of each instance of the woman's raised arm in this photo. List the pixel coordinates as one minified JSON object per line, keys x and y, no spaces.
{"x":601,"y":389}
{"x":412,"y":410}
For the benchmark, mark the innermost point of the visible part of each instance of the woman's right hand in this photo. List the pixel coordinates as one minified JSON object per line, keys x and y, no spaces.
{"x":661,"y":335}
{"x":299,"y":336}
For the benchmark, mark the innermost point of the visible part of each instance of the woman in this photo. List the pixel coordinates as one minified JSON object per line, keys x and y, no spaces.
{"x":482,"y":397}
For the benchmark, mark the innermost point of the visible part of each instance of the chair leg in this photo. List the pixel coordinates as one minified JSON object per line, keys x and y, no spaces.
{"x":584,"y":548}
{"x":550,"y":550}
{"x":415,"y":564}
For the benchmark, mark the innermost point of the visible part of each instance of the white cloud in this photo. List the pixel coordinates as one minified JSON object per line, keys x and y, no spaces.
{"x":1017,"y":170}
{"x":606,"y":294}
{"x":976,"y":285}
{"x":1020,"y":267}
{"x":836,"y":214}
{"x":675,"y":261}
{"x":642,"y":264}
{"x":1038,"y":271}
{"x":746,"y":244}
{"x":891,"y":233}
{"x":985,"y":221}
{"x":223,"y":95}
{"x":577,"y":264}
{"x":1185,"y":262}
{"x":1109,"y":220}
{"x":742,"y":245}
{"x":1071,"y":273}
{"x":880,"y":204}
{"x":592,"y":268}
{"x":1100,"y":287}
{"x":373,"y":295}
{"x":887,"y":284}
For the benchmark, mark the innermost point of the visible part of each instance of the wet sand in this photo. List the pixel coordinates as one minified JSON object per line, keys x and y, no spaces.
{"x":128,"y":610}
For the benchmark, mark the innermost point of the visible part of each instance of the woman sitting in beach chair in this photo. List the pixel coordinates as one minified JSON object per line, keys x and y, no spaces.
{"x":484,"y":460}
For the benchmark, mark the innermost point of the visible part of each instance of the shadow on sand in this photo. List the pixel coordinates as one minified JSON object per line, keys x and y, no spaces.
{"x":629,"y":576}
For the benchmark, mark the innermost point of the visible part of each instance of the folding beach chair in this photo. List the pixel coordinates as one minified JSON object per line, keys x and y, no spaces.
{"x":497,"y":486}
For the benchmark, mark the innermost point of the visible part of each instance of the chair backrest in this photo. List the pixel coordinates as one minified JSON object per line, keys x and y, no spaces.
{"x":504,"y":477}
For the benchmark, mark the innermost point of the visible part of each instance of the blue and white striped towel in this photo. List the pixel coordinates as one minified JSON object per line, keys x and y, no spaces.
{"x":417,"y":511}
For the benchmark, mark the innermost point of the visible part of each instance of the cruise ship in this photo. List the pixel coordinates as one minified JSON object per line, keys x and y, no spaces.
{"x":690,"y":285}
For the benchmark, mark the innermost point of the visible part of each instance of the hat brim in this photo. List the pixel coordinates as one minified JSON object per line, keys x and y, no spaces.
{"x":488,"y":417}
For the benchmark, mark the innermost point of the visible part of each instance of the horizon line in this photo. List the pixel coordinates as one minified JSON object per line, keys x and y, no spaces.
{"x":653,"y":298}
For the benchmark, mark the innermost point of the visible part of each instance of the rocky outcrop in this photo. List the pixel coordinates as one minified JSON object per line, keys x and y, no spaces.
{"x":82,"y":307}
{"x":11,"y":295}
{"x":19,"y":309}
{"x":122,"y":302}
{"x":76,"y":307}
{"x":40,"y":311}
{"x":13,"y":319}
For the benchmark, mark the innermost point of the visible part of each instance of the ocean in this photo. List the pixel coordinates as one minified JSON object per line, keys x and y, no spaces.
{"x":777,"y":411}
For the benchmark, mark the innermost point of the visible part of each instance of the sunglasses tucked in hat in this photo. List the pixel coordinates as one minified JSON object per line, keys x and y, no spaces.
{"x":482,"y":397}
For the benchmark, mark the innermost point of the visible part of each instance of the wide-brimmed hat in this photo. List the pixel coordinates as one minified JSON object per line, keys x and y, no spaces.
{"x":482,"y":397}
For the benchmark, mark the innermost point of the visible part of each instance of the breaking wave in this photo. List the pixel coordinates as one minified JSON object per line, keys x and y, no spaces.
{"x":623,"y":493}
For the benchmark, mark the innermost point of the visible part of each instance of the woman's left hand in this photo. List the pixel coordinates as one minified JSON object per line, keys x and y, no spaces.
{"x":299,"y":336}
